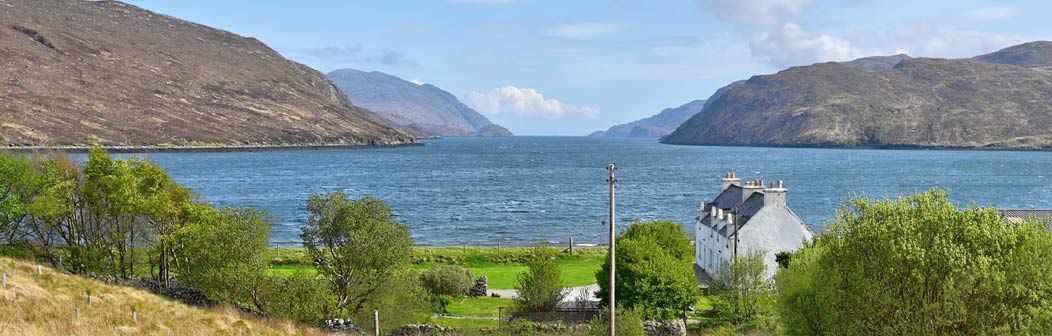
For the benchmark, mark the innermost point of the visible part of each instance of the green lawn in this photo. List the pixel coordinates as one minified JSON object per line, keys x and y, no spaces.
{"x":577,"y":270}
{"x":481,"y":306}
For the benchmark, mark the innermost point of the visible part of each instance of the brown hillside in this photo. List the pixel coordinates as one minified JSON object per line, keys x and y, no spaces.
{"x":79,"y":72}
{"x":920,"y":102}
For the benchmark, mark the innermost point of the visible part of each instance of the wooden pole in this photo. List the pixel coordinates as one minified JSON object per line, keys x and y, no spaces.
{"x":571,"y":245}
{"x":613,"y":254}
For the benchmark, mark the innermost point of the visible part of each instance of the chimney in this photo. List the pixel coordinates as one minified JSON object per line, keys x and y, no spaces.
{"x":730,"y":179}
{"x":750,"y":188}
{"x":775,"y":194}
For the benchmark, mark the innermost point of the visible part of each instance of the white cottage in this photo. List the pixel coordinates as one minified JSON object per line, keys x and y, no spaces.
{"x":743,"y":218}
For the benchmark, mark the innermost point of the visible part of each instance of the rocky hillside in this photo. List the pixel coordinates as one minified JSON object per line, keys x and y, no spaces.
{"x":423,"y":108}
{"x":655,"y":126}
{"x":999,"y":100}
{"x":83,"y":72}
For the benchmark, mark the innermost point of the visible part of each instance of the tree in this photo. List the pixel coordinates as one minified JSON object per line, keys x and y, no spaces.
{"x":357,"y":245}
{"x":920,"y":265}
{"x":539,"y":288}
{"x":654,"y":270}
{"x":222,"y":253}
{"x":742,"y":287}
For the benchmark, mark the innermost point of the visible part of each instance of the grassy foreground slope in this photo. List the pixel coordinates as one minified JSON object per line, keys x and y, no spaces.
{"x":43,"y":304}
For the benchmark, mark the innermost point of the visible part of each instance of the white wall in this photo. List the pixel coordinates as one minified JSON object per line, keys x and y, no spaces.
{"x":773,"y":229}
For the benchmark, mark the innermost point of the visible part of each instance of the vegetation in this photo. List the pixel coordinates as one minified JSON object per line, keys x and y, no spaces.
{"x":629,"y":322}
{"x":745,"y":294}
{"x":448,"y":280}
{"x":539,"y":289}
{"x":364,"y":255}
{"x":654,"y":270}
{"x":45,"y":305}
{"x":920,"y":265}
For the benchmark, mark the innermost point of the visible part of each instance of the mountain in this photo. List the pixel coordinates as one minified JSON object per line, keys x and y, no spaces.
{"x":423,"y":108}
{"x":999,"y":100}
{"x":84,"y":72}
{"x":655,"y":126}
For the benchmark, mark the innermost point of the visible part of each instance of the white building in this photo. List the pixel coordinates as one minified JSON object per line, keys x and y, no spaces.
{"x":743,"y":219}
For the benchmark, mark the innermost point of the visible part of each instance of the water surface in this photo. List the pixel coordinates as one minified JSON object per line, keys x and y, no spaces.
{"x":523,"y":190}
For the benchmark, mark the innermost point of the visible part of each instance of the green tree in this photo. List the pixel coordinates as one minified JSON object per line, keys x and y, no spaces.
{"x":628,"y":323}
{"x":222,"y":253}
{"x":920,"y":265}
{"x":19,"y":183}
{"x":743,"y":289}
{"x":654,"y":270}
{"x":301,"y":296}
{"x":358,"y":246}
{"x":538,"y":286}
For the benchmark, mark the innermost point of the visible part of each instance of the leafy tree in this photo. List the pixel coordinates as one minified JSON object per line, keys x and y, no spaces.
{"x":222,"y":253}
{"x":358,"y":246}
{"x":538,"y":286}
{"x":742,"y":287}
{"x":448,"y":280}
{"x":920,"y":265}
{"x":654,"y":270}
{"x":628,"y":323}
{"x":19,"y":183}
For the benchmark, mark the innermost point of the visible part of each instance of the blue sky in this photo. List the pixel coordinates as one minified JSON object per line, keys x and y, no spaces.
{"x":572,"y":67}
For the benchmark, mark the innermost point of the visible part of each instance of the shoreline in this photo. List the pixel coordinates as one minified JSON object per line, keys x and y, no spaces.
{"x":880,"y":147}
{"x":197,"y":149}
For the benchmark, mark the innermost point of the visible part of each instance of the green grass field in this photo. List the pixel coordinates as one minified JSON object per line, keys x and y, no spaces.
{"x":577,"y":270}
{"x":481,"y":306}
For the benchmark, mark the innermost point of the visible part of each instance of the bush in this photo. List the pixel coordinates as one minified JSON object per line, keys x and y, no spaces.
{"x":302,"y":297}
{"x":919,"y":265}
{"x":629,"y":322}
{"x":655,"y":270}
{"x":447,"y":280}
{"x":744,"y":291}
{"x":539,"y":289}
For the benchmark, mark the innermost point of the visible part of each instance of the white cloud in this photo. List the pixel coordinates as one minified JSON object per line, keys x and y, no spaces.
{"x":416,"y":81}
{"x":992,"y":13}
{"x":585,"y":29}
{"x":792,"y":46}
{"x":753,"y":12}
{"x":947,"y":42}
{"x":523,"y":102}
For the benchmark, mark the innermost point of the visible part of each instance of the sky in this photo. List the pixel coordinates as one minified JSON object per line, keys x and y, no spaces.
{"x":570,"y":67}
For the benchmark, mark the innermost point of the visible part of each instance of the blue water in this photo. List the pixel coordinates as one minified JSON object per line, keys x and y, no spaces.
{"x":524,"y":190}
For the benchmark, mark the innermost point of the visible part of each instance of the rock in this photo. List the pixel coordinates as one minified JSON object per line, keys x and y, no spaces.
{"x":343,"y":326}
{"x":418,"y":330}
{"x":660,"y":328}
{"x":481,"y":287}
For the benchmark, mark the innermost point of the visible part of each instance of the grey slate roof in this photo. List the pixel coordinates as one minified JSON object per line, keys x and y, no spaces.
{"x":1020,"y":215}
{"x":731,"y":199}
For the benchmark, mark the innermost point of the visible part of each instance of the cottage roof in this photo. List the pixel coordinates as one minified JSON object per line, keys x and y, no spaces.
{"x":1021,"y":215}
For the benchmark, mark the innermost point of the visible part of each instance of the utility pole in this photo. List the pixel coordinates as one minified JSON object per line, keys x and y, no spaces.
{"x":613,"y":238}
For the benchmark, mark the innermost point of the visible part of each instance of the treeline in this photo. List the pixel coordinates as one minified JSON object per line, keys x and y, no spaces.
{"x":127,"y":218}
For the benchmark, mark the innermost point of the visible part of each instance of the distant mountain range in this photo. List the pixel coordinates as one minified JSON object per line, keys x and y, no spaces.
{"x":998,"y":100}
{"x":86,"y":72}
{"x":423,"y":108}
{"x":655,"y":126}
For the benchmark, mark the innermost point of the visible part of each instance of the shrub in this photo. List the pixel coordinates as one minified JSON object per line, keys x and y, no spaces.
{"x":744,"y":291}
{"x":655,"y":270}
{"x":629,"y":322}
{"x":539,"y":289}
{"x":302,"y":297}
{"x":447,"y":280}
{"x":920,"y":265}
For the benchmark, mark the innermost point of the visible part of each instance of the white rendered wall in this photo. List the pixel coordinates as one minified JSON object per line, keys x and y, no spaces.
{"x":773,"y":229}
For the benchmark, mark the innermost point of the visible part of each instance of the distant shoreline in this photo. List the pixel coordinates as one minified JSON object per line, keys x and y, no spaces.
{"x":880,"y":147}
{"x":198,"y":149}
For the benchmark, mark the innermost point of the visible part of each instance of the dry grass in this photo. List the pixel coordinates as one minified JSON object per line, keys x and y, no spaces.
{"x":44,"y":305}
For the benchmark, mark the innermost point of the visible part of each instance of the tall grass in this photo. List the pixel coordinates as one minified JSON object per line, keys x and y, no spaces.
{"x":44,"y":305}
